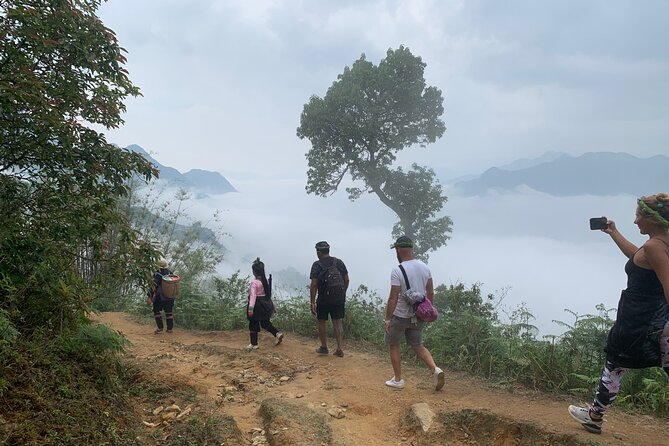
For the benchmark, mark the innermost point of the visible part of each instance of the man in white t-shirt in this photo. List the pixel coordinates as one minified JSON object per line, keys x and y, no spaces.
{"x":401,"y":319}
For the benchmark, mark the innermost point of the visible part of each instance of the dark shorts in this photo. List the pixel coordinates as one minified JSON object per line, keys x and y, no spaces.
{"x":335,"y":311}
{"x":399,"y":326}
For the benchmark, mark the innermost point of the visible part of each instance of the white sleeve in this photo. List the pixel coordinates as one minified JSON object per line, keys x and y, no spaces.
{"x":395,"y":277}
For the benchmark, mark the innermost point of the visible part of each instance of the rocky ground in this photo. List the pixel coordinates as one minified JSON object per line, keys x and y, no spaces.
{"x":289,"y":395}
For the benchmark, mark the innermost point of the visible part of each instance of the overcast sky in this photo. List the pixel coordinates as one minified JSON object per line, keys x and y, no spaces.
{"x":224,"y":81}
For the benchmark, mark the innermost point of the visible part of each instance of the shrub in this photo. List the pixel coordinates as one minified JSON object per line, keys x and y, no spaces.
{"x":66,"y":390}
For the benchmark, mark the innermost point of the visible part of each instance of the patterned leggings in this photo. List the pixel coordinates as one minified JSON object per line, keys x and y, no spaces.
{"x":609,"y":384}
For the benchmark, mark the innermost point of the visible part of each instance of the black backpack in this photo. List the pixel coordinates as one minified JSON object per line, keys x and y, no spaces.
{"x":331,"y":284}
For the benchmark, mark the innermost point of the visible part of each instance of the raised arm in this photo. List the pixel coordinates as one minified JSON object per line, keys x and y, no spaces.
{"x":628,"y":248}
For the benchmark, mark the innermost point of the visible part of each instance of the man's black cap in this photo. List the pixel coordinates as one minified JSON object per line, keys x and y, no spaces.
{"x":322,"y":246}
{"x":402,"y":242}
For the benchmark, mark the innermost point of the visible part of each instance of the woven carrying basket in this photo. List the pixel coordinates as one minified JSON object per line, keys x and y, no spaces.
{"x":170,"y":285}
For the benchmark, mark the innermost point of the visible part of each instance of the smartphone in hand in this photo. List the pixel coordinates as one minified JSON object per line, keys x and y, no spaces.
{"x":598,"y":223}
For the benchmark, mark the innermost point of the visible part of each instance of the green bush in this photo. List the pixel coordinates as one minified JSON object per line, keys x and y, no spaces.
{"x":89,"y":344}
{"x":293,"y":314}
{"x":8,"y":332}
{"x":66,"y":390}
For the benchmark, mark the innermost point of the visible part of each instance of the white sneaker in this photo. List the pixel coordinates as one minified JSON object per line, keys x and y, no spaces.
{"x":399,"y":385}
{"x":279,"y":338}
{"x":438,"y":378}
{"x":251,"y":347}
{"x":582,"y":415}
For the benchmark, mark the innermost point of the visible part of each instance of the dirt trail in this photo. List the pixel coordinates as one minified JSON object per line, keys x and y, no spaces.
{"x":223,"y":372}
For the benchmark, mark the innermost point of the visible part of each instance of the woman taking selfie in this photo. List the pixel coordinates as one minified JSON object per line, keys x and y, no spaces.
{"x":640,"y":336}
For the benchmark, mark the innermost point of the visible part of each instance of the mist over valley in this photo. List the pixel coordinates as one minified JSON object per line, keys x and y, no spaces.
{"x":528,"y":246}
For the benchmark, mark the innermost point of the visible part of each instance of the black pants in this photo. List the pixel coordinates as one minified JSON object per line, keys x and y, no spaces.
{"x":166,"y":305}
{"x":254,"y":329}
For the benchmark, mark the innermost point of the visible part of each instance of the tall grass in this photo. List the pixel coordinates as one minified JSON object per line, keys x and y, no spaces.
{"x":67,"y":389}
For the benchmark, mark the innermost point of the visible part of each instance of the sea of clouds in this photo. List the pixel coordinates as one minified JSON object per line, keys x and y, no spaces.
{"x":530,"y":247}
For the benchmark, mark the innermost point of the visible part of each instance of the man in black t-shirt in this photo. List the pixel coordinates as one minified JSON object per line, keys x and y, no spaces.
{"x":331,"y":299}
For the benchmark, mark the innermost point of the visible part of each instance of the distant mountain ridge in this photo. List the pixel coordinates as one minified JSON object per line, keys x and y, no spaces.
{"x":205,"y":181}
{"x":594,"y":173}
{"x":525,"y":163}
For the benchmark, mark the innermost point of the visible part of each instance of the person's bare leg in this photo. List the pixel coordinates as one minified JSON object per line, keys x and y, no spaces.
{"x":338,"y":327}
{"x":425,"y":356}
{"x":396,"y":361}
{"x":322,"y":333}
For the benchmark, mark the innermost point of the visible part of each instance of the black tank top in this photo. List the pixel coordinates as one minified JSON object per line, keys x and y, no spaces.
{"x":641,"y":280}
{"x":634,"y":340}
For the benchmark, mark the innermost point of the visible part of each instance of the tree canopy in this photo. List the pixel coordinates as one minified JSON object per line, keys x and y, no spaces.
{"x":61,"y":72}
{"x":367,"y":116}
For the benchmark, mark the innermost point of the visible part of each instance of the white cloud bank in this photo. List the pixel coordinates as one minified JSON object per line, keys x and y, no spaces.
{"x":537,"y":247}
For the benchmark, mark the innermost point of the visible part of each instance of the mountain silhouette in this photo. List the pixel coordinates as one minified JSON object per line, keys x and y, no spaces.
{"x":204,"y":181}
{"x":594,"y":173}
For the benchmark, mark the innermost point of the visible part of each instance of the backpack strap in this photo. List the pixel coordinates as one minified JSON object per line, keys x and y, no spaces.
{"x":406,"y":279}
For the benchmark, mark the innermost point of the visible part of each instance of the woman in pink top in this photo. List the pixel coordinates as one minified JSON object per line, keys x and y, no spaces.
{"x":260,"y":307}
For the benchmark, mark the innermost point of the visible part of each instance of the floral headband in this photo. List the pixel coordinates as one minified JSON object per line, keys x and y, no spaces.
{"x":652,"y":213}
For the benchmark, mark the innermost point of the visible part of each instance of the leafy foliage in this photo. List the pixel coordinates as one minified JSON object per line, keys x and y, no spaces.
{"x":368,"y":115}
{"x":63,"y":390}
{"x":191,"y":248}
{"x":61,"y":70}
{"x":62,"y":237}
{"x":646,"y":388}
{"x":214,"y":429}
{"x":224,"y":309}
{"x":8,"y":333}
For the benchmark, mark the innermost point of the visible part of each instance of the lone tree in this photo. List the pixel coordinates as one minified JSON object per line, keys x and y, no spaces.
{"x":368,"y":115}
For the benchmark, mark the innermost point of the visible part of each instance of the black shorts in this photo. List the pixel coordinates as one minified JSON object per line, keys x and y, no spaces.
{"x":335,"y":311}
